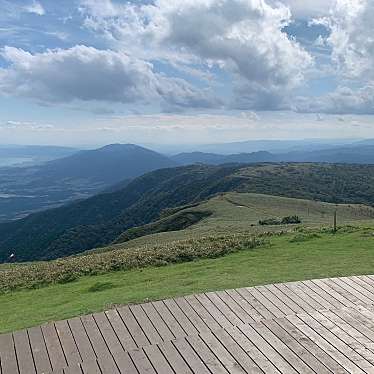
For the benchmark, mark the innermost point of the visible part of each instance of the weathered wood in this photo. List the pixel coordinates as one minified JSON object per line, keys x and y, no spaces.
{"x":169,"y":319}
{"x":180,"y":317}
{"x":174,"y":358}
{"x":237,"y":352}
{"x":68,"y":343}
{"x":319,"y":326}
{"x":190,"y":357}
{"x":206,"y":355}
{"x":146,"y":325}
{"x":121,"y":330}
{"x":39,"y":350}
{"x":8,"y":354}
{"x":98,"y":343}
{"x":141,"y":362}
{"x":80,"y":337}
{"x":156,"y":320}
{"x":23,"y":351}
{"x":157,"y":359}
{"x":261,"y":343}
{"x":133,"y":327}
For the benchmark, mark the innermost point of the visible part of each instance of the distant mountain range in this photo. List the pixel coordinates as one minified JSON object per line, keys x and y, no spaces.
{"x":24,"y":190}
{"x":101,"y":219}
{"x":360,"y":153}
{"x":83,"y":174}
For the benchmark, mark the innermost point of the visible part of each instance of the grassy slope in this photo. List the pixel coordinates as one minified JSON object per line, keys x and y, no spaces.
{"x":283,"y":260}
{"x":236,"y":212}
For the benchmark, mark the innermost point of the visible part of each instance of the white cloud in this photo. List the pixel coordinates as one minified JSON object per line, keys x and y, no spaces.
{"x":308,"y":8}
{"x":35,"y":7}
{"x":242,"y":37}
{"x":343,"y":100}
{"x":88,"y":74}
{"x":352,"y":29}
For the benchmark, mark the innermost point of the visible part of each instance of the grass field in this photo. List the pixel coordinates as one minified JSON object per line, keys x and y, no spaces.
{"x":293,"y":256}
{"x":241,"y":212}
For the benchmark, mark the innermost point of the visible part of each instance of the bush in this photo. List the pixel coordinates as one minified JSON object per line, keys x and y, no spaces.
{"x":69,"y":269}
{"x":269,"y":222}
{"x":290,"y":220}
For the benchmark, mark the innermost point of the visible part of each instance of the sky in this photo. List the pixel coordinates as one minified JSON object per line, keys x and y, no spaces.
{"x":92,"y":72}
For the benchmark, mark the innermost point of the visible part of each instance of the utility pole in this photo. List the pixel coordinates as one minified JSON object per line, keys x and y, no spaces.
{"x":335,"y":220}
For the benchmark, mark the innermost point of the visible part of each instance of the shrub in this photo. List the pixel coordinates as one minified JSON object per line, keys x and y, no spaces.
{"x":269,"y":222}
{"x":291,"y":220}
{"x":70,"y":269}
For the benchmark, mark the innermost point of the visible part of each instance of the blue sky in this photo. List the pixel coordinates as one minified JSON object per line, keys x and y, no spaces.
{"x":90,"y":72}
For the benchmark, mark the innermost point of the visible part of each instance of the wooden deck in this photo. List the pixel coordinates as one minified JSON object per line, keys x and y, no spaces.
{"x":319,"y":326}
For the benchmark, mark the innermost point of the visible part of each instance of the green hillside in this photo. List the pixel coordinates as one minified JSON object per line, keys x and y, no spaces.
{"x":241,"y":212}
{"x":100,"y":220}
{"x":290,"y":257}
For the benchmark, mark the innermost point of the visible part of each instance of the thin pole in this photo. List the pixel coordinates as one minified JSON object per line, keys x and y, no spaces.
{"x":335,"y":220}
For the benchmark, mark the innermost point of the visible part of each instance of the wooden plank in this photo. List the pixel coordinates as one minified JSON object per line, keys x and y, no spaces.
{"x":348,"y":345}
{"x":177,"y":313}
{"x":237,"y":352}
{"x":284,"y":350}
{"x":252,"y":351}
{"x":308,"y":294}
{"x":369,"y":279}
{"x":226,"y":359}
{"x":23,"y":351}
{"x":355,"y":319}
{"x":161,"y":327}
{"x":115,"y":348}
{"x":213,"y":311}
{"x":133,"y":326}
{"x":91,"y":367}
{"x":297,"y":304}
{"x":255,"y":304}
{"x":68,"y":343}
{"x":238,"y":310}
{"x":205,"y":354}
{"x":192,"y":315}
{"x":334,"y":291}
{"x":275,"y":300}
{"x":267,"y":349}
{"x":146,"y":325}
{"x":269,"y":305}
{"x":73,"y":369}
{"x":141,"y":362}
{"x":363,"y":345}
{"x":169,"y":319}
{"x":351,"y":293}
{"x":121,"y":330}
{"x":174,"y":358}
{"x":190,"y":357}
{"x":325,"y":341}
{"x":55,"y":352}
{"x":320,"y":289}
{"x":311,"y":346}
{"x":202,"y":312}
{"x":363,"y":286}
{"x":245,"y":305}
{"x":224,"y":308}
{"x":98,"y":343}
{"x":81,"y":339}
{"x":296,"y":347}
{"x":157,"y":360}
{"x":8,"y":354}
{"x":39,"y":350}
{"x":356,"y":286}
